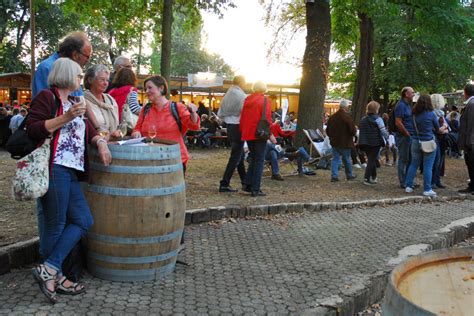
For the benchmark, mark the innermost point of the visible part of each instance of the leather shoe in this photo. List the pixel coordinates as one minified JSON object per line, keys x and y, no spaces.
{"x":246,"y":188}
{"x":259,"y":193}
{"x":277,"y":177}
{"x":227,"y":189}
{"x":466,"y":190}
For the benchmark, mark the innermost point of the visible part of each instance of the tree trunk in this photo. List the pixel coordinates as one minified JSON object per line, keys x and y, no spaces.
{"x":315,"y":67}
{"x":166,"y":39}
{"x":364,"y":67}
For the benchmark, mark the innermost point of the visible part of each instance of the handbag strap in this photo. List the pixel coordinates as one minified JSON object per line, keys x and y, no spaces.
{"x":416,"y":128}
{"x":264,"y":108}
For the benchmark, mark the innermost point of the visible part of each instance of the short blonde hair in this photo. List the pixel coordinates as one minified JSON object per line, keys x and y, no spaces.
{"x":373,"y":107}
{"x":259,"y":86}
{"x":438,"y":101}
{"x":64,"y":74}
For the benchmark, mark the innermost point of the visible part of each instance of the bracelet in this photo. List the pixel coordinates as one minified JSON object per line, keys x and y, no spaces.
{"x":101,"y":140}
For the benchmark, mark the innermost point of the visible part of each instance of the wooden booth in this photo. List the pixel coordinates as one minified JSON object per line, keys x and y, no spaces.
{"x":15,"y":87}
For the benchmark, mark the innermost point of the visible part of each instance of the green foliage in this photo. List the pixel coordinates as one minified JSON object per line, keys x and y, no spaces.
{"x":186,"y":53}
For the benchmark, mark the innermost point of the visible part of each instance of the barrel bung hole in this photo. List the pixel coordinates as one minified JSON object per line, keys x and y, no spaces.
{"x":167,"y":215}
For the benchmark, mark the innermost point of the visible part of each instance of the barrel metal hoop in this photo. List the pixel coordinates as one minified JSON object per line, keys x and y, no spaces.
{"x":152,"y":149}
{"x":146,"y":155}
{"x":132,"y":260}
{"x":131,"y":275}
{"x":134,"y":240}
{"x":136,"y":169}
{"x":134,"y":192}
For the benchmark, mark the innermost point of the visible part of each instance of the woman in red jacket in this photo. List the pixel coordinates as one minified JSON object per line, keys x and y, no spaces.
{"x":251,"y":114}
{"x":157,"y":120}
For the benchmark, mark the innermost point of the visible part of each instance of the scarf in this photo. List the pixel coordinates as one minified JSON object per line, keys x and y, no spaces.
{"x":108,"y":110}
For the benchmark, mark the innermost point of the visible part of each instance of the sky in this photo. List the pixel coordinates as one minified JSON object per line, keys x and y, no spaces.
{"x":242,"y":39}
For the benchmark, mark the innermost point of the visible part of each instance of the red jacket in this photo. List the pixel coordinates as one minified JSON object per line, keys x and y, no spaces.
{"x":252,"y":113}
{"x":120,"y":96}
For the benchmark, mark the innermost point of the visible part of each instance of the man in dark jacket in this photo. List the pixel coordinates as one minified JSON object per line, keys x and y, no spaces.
{"x":341,"y":131}
{"x":466,"y":135}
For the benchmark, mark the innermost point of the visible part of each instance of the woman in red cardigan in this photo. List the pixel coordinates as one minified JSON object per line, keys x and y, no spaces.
{"x":251,"y":115}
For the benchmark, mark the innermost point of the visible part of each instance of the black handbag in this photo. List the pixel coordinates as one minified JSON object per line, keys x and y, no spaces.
{"x":263,"y":126}
{"x":19,"y":144}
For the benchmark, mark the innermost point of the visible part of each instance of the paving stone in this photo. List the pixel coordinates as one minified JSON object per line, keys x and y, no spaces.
{"x":278,"y":265}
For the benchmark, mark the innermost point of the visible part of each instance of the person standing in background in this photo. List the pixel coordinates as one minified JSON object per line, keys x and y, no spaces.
{"x":230,"y":110}
{"x":466,"y":135}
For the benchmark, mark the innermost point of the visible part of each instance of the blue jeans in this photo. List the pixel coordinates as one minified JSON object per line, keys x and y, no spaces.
{"x":416,"y":157}
{"x":65,"y":216}
{"x":257,"y":159}
{"x":337,"y":153}
{"x":404,"y":156}
{"x":272,"y":155}
{"x":438,"y":162}
{"x":302,"y":158}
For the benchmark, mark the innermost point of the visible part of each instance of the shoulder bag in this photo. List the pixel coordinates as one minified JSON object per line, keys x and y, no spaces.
{"x":426,"y":146}
{"x":31,"y":178}
{"x":263,"y":126}
{"x":128,"y":117}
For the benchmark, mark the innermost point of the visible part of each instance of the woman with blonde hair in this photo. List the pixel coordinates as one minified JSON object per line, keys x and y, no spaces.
{"x":252,"y":110}
{"x":438,"y":167}
{"x":372,"y":137}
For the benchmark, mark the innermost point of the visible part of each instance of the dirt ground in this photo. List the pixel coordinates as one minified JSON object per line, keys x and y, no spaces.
{"x":205,"y":169}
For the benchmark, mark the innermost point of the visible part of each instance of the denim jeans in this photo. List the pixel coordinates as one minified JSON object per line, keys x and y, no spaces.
{"x":236,"y":159}
{"x":337,"y":153}
{"x":65,"y":216}
{"x":404,"y":156}
{"x":417,"y":156}
{"x":303,"y":157}
{"x":257,"y":159}
{"x":272,"y":155}
{"x":438,"y":162}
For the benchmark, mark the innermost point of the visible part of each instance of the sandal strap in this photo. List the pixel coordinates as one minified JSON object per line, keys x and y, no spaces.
{"x":44,"y":274}
{"x":74,"y":287}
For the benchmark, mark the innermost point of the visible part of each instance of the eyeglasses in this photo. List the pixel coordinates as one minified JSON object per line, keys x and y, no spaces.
{"x":80,"y":76}
{"x":86,"y":56}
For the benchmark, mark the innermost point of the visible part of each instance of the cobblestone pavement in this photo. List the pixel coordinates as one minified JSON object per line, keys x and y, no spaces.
{"x":276,"y":265}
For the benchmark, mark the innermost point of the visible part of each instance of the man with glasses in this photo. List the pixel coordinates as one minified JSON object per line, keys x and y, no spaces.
{"x":404,"y":124}
{"x":119,"y":63}
{"x":75,"y":46}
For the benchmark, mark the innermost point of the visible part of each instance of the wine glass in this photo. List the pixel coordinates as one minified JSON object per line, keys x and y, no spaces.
{"x":103,"y":130}
{"x":122,"y":129}
{"x":152,"y":132}
{"x":79,"y":99}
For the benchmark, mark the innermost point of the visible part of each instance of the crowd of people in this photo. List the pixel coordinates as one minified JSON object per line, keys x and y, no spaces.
{"x":109,"y":101}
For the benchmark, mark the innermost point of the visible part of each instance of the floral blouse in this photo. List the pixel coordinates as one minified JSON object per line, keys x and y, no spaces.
{"x":71,"y":144}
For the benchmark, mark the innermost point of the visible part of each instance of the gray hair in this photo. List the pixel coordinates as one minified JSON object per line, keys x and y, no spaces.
{"x":92,"y":72}
{"x":438,"y":101}
{"x":64,"y":74}
{"x":259,"y":86}
{"x":119,"y":61}
{"x":344,"y":103}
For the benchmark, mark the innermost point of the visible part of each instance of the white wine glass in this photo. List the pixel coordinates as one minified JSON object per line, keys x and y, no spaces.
{"x":152,"y":132}
{"x":79,"y":99}
{"x":122,"y":129}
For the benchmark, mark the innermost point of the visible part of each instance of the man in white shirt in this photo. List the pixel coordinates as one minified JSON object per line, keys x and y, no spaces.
{"x":229,"y":112}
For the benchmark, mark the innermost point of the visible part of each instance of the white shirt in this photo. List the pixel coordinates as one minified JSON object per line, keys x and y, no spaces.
{"x":71,"y":145}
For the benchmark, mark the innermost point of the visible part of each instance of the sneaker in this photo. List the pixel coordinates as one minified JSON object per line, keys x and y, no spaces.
{"x":408,"y":190}
{"x":374,"y":180}
{"x":388,"y":164}
{"x":334,"y":179}
{"x":429,"y":193}
{"x":358,"y":166}
{"x":364,"y":165}
{"x":258,"y":193}
{"x":369,"y":182}
{"x":351,"y":178}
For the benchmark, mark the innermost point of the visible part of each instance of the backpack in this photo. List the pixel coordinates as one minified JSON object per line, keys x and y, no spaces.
{"x":173,"y":110}
{"x":392,"y":127}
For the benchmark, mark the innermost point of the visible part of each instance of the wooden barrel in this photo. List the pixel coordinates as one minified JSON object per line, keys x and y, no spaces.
{"x":435,"y":283}
{"x":138,"y":204}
